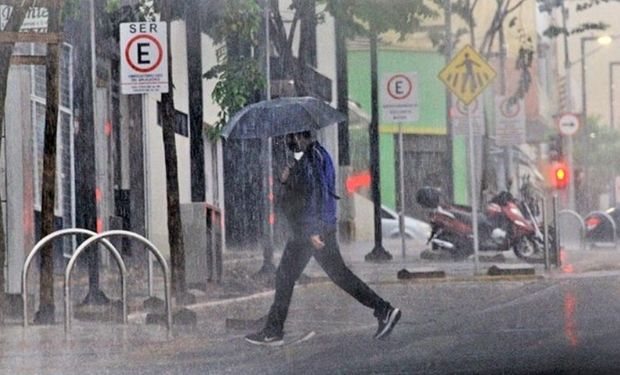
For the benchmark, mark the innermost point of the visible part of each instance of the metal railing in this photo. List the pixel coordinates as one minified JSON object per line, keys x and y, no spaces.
{"x":582,"y":226}
{"x":63,"y":232}
{"x":101,"y":237}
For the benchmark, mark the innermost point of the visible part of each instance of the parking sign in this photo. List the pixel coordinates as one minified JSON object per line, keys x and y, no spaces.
{"x":144,"y":57}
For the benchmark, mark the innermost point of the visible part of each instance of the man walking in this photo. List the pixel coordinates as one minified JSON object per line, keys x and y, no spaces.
{"x":310,"y":207}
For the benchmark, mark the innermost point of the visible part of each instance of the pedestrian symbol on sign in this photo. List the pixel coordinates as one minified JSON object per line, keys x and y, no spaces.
{"x":467,"y":74}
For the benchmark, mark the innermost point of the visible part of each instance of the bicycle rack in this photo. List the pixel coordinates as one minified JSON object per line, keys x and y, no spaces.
{"x":608,"y":218}
{"x":64,"y":232}
{"x":101,"y":237}
{"x":582,"y":226}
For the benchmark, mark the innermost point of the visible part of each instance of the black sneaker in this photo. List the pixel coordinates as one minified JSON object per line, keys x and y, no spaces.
{"x":265,"y":338}
{"x":387,"y":322}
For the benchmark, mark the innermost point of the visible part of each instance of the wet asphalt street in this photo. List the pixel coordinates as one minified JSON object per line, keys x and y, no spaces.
{"x":562,"y":321}
{"x":565,"y":323}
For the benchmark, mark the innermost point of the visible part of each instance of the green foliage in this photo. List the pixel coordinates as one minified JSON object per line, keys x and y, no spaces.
{"x":145,"y":11}
{"x":232,"y":17}
{"x":587,"y":26}
{"x":587,"y":4}
{"x":402,"y":16}
{"x":112,"y":5}
{"x":238,"y":79}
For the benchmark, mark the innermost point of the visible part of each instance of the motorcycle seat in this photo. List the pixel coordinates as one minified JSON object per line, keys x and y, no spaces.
{"x":466,"y":217}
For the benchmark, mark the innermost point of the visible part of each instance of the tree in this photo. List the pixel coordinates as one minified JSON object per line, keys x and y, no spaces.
{"x":45,"y":314}
{"x":239,"y":77}
{"x":505,"y":15}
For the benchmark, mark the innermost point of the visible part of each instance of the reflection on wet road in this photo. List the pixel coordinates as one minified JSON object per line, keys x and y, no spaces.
{"x":548,"y":324}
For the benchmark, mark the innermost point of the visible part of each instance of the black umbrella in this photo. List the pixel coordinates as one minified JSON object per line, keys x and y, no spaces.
{"x":271,"y":118}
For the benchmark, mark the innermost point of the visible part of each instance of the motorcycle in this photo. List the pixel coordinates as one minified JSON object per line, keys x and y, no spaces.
{"x":502,"y":226}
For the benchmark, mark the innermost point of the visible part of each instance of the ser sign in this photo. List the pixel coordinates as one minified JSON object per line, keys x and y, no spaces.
{"x":144,"y":57}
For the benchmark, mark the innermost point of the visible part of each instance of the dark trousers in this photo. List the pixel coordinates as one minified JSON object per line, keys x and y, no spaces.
{"x":296,"y":256}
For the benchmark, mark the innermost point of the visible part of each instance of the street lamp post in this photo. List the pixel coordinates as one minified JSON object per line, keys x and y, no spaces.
{"x":378,"y":253}
{"x":584,"y":108}
{"x":611,"y":93}
{"x":611,"y":119}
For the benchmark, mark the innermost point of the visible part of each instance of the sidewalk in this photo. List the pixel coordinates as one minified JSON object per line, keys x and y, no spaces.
{"x":240,"y":280}
{"x":240,"y":268}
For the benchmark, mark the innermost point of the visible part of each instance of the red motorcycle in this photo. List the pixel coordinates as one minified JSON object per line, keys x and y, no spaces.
{"x":502,"y":226}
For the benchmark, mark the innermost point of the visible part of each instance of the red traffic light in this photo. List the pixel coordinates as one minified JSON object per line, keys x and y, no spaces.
{"x":559,"y":175}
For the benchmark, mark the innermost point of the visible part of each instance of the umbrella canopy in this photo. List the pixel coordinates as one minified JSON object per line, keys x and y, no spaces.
{"x":271,"y":118}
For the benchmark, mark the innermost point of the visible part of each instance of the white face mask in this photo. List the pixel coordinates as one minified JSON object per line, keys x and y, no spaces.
{"x":298,"y":155}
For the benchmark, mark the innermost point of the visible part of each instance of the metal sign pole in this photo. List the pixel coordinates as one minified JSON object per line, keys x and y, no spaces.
{"x":401,"y":187}
{"x":472,"y":179}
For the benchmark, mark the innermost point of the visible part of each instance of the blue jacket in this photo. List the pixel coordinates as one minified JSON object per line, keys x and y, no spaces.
{"x":311,"y":193}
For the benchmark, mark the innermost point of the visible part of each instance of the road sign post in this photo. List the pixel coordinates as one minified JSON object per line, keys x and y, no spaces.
{"x":467,"y":75}
{"x":399,"y":103}
{"x":568,"y":125}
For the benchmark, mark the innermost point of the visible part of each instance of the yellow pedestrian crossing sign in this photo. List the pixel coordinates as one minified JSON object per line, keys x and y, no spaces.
{"x":467,"y":74}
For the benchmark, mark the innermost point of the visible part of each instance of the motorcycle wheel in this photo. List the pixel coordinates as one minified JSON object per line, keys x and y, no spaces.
{"x":527,"y":249}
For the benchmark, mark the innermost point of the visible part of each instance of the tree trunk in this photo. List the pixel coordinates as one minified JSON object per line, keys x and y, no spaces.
{"x":45,"y":315}
{"x":281,"y":42}
{"x":6,"y":50}
{"x":175,"y":234}
{"x":194,"y":72}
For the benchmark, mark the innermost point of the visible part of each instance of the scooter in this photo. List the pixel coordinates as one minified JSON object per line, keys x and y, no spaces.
{"x":502,"y":226}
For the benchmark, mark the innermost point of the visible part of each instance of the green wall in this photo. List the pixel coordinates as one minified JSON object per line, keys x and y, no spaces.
{"x":431,"y":97}
{"x":431,"y":105}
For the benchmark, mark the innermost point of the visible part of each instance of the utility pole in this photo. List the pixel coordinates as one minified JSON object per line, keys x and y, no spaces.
{"x":95,"y":295}
{"x":268,"y":267}
{"x":448,"y":58}
{"x":569,"y":106}
{"x":194,"y":71}
{"x":378,"y":253}
{"x":344,"y":157}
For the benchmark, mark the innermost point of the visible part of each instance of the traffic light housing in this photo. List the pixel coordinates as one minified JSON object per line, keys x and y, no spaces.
{"x":559,"y":175}
{"x":556,"y":152}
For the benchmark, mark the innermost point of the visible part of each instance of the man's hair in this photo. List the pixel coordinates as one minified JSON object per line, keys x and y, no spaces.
{"x":308,"y":134}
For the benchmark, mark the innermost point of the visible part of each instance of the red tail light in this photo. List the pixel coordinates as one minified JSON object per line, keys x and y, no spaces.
{"x":592,"y":222}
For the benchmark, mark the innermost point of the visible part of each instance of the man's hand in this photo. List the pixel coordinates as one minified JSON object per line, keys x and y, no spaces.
{"x":285,"y":173}
{"x":317,"y":242}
